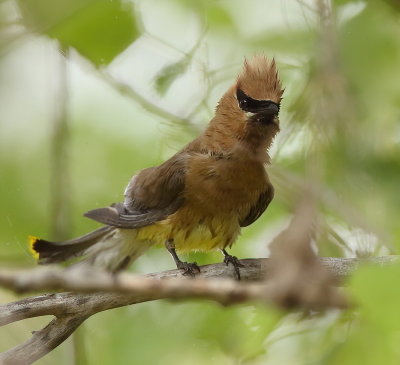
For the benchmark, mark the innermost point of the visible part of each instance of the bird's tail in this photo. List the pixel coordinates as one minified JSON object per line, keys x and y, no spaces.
{"x":107,"y":247}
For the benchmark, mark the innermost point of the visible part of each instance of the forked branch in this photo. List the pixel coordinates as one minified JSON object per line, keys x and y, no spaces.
{"x":101,"y":291}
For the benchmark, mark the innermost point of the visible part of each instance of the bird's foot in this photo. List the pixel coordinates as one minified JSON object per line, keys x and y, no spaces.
{"x":229,"y":259}
{"x":189,"y":268}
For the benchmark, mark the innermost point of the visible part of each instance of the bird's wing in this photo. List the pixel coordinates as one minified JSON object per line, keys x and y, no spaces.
{"x":259,"y":208}
{"x":151,"y":195}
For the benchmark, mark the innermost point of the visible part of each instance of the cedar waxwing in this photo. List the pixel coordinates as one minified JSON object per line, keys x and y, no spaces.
{"x":201,"y":197}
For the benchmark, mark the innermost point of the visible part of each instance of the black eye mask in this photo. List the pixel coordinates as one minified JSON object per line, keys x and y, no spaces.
{"x":251,"y":105}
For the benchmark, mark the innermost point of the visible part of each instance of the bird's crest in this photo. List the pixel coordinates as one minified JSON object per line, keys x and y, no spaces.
{"x":259,"y":79}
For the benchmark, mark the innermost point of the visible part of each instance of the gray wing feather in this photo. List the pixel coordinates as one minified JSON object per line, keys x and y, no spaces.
{"x":151,"y":196}
{"x":112,"y":217}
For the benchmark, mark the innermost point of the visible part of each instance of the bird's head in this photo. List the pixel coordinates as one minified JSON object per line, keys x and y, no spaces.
{"x":251,"y":106}
{"x":259,"y":91}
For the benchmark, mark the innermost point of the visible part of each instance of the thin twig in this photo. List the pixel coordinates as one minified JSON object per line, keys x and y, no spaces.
{"x":128,"y":91}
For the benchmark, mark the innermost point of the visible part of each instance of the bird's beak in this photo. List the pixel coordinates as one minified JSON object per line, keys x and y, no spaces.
{"x":270,"y":110}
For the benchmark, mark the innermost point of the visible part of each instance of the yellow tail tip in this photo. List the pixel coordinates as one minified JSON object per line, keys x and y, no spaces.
{"x":32,"y":241}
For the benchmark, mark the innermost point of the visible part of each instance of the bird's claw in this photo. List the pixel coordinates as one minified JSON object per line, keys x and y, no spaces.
{"x":189,"y":268}
{"x":228,"y":259}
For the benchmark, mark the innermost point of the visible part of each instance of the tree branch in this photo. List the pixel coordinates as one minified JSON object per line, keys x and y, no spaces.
{"x":43,"y":341}
{"x":106,"y":291}
{"x":128,"y":91}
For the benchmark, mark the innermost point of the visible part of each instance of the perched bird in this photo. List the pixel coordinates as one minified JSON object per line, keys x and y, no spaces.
{"x":201,"y":197}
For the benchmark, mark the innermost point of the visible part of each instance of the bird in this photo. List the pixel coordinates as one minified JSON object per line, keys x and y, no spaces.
{"x":200,"y":198}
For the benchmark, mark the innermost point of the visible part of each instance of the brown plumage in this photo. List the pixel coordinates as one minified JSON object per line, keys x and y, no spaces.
{"x":201,"y":197}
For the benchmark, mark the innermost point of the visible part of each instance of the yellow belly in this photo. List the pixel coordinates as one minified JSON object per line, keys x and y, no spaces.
{"x":193,"y":232}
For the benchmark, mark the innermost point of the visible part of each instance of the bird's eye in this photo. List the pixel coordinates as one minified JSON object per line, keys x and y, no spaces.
{"x":242,"y":99}
{"x":242,"y":103}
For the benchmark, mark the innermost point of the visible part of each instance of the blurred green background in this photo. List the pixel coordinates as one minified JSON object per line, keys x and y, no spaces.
{"x":92,"y":91}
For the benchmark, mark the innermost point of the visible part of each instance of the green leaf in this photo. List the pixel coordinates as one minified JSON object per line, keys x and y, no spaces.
{"x":374,"y":334}
{"x":374,"y":289}
{"x":217,"y":16}
{"x":169,"y":74}
{"x":98,"y":29}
